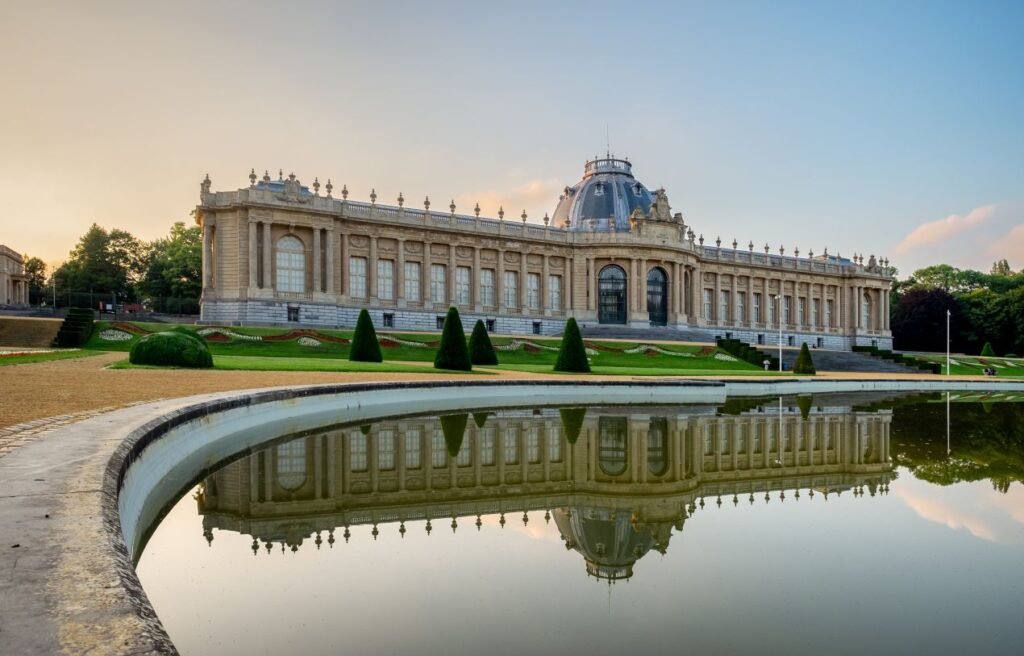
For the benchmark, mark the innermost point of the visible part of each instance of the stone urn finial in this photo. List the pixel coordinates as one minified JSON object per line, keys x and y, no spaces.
{"x":344,"y":192}
{"x":401,"y":200}
{"x":426,"y":203}
{"x":476,"y":210}
{"x":252,"y":177}
{"x":547,"y":219}
{"x":523,"y":216}
{"x":451,"y":206}
{"x":501,"y":213}
{"x":328,"y":187}
{"x":316,"y":186}
{"x":373,"y":196}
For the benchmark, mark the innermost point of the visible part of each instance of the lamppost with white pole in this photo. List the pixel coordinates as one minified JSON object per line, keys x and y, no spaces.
{"x":778,"y":300}
{"x":948,"y":313}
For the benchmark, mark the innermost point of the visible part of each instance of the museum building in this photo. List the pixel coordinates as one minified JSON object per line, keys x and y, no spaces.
{"x":612,"y":253}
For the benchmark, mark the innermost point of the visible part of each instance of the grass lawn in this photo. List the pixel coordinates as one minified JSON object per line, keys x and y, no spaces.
{"x":969,"y":365}
{"x":244,"y":363}
{"x":44,"y":357}
{"x":642,"y":371}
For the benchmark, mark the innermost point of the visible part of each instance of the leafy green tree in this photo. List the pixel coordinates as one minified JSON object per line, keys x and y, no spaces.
{"x":480,"y":349}
{"x":365,"y":347}
{"x":804,"y":364}
{"x":104,"y":262}
{"x":1001,"y":268}
{"x":174,"y":264}
{"x":453,"y":353}
{"x":572,"y":355}
{"x":480,"y":418}
{"x":919,"y":319}
{"x":35,"y":269}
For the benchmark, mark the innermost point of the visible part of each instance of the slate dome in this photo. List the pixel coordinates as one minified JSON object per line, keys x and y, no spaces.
{"x":603,"y":200}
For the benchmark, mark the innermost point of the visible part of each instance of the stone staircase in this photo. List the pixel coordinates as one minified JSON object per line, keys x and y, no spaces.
{"x":844,"y":361}
{"x":644,"y":334}
{"x":28,"y":332}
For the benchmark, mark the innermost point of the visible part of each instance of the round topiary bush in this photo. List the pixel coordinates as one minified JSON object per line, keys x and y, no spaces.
{"x":572,"y":355}
{"x":480,"y":349}
{"x":365,"y":347}
{"x":171,"y":349}
{"x":191,"y":332}
{"x":453,"y":353}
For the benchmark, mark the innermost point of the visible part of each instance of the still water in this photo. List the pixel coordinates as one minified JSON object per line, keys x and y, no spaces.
{"x":842,"y":524}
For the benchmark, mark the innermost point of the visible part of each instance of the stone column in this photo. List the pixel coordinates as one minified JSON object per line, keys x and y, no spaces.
{"x":268,"y":254}
{"x":317,"y":280}
{"x":371,"y":270}
{"x":591,"y":284}
{"x":545,"y":301}
{"x":343,"y":265}
{"x":207,"y":255}
{"x":253,"y":263}
{"x":523,"y":277}
{"x":499,"y":282}
{"x":400,"y":299}
{"x":474,"y":281}
{"x":450,"y":280}
{"x":716,"y":302}
{"x":425,"y":276}
{"x":329,"y":263}
{"x":567,"y":281}
{"x":642,"y":284}
{"x":734,"y":301}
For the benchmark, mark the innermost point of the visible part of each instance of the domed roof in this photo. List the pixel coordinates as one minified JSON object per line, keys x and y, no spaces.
{"x":603,"y":200}
{"x":607,"y":539}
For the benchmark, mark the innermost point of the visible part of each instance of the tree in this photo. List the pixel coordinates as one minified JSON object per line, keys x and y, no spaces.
{"x":1001,"y":268}
{"x":174,"y":264}
{"x":365,"y":347}
{"x":480,"y":349}
{"x":919,"y":320}
{"x":804,"y":364}
{"x":35,"y":269}
{"x":987,"y":351}
{"x":453,"y":353}
{"x":104,"y":262}
{"x":572,"y":355}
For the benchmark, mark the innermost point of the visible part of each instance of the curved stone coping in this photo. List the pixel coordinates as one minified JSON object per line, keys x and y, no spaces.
{"x":72,"y":586}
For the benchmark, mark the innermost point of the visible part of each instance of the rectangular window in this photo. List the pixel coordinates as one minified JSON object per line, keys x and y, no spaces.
{"x":555,"y":292}
{"x":385,"y":450}
{"x":465,"y":453}
{"x":462,"y":291}
{"x":741,"y":306}
{"x":511,"y":443}
{"x":386,"y":280}
{"x":537,"y":327}
{"x":815,"y":308}
{"x":511,"y":285}
{"x":756,"y":316}
{"x":533,"y":291}
{"x":438,"y":294}
{"x":801,"y":311}
{"x":723,"y":305}
{"x":439,"y":322}
{"x":490,"y":325}
{"x":787,"y":303}
{"x":412,"y":449}
{"x":533,"y":445}
{"x":828,"y":313}
{"x":357,"y":277}
{"x":438,"y":450}
{"x":357,"y":447}
{"x":412,"y":281}
{"x":293,"y":313}
{"x":708,"y":296}
{"x":554,"y":437}
{"x":487,"y":447}
{"x":487,"y":287}
{"x":389,"y":319}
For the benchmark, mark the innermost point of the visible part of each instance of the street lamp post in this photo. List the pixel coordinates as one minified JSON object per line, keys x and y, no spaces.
{"x":778,"y":311}
{"x":948,"y":313}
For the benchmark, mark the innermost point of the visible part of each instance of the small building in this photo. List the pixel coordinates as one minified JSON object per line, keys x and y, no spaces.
{"x":13,"y":280}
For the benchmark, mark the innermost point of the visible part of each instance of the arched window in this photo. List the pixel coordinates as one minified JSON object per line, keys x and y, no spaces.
{"x":291,"y":265}
{"x":611,"y":295}
{"x":613,"y":445}
{"x":657,"y":296}
{"x":291,"y":464}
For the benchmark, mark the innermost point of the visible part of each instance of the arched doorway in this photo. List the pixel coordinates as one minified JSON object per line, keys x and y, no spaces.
{"x":611,"y":295}
{"x":657,"y":296}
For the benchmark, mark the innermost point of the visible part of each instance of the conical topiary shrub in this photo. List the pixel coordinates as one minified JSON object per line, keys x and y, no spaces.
{"x":804,"y":402}
{"x":453,"y":353}
{"x":454,"y":429}
{"x":480,"y":349}
{"x":804,"y":364}
{"x":365,"y":347}
{"x":572,"y":422}
{"x":480,"y":418}
{"x":987,"y":351}
{"x":572,"y":355}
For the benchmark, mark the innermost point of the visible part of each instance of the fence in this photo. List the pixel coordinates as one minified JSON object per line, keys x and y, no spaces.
{"x":104,"y":301}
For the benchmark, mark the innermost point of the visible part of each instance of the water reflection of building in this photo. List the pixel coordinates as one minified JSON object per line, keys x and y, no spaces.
{"x":617,"y":492}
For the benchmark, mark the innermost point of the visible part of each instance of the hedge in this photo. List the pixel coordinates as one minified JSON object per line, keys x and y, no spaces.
{"x":171,"y":349}
{"x":747,"y":353}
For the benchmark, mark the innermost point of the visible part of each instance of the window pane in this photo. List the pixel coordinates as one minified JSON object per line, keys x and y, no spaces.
{"x":487,"y":287}
{"x":462,"y":291}
{"x":357,"y":276}
{"x":437,"y":283}
{"x":412,"y":281}
{"x":511,"y":289}
{"x":386,"y":280}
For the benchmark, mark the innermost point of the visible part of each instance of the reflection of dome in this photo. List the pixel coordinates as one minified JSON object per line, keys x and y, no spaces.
{"x":608,"y":540}
{"x":604,"y":198}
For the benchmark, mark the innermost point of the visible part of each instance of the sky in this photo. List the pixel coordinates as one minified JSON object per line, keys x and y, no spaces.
{"x":893,"y":129}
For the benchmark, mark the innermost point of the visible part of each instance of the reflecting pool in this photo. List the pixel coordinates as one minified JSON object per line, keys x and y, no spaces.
{"x":843,"y":524}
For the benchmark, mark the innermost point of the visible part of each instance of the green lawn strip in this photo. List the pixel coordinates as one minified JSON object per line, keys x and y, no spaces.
{"x":244,"y":363}
{"x":44,"y":357}
{"x":967,"y":365}
{"x":640,"y":371}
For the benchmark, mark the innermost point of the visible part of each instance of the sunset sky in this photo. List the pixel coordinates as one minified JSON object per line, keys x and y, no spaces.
{"x":861,"y":127}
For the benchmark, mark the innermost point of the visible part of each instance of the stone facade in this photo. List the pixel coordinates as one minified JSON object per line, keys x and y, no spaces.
{"x":277,"y":253}
{"x":13,"y":281}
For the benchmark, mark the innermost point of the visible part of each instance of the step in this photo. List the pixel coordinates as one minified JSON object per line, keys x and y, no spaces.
{"x":28,"y":332}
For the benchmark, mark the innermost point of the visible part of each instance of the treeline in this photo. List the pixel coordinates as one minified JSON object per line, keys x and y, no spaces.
{"x":985,"y":308}
{"x":107,"y":262}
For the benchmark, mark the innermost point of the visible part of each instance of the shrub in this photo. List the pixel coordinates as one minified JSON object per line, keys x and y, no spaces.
{"x":191,"y":332}
{"x":987,"y":351}
{"x":171,"y":349}
{"x":804,"y":402}
{"x":480,"y":418}
{"x":572,"y":355}
{"x":572,"y":422}
{"x":365,"y":347}
{"x":1010,"y":355}
{"x":453,"y":353}
{"x":804,"y":364}
{"x":747,"y":353}
{"x":480,"y":349}
{"x":454,"y":429}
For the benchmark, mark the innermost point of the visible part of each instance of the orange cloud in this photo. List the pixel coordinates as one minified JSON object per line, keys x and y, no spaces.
{"x":1010,"y":246}
{"x":936,"y":231}
{"x":534,"y":196}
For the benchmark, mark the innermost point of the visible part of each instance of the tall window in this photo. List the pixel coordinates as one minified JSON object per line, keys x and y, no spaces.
{"x":865,"y":311}
{"x":487,"y":287}
{"x":828,"y":313}
{"x":487,"y":446}
{"x":386,"y":280}
{"x":511,"y":443}
{"x":413,"y":458}
{"x":708,"y":301}
{"x":787,"y":310}
{"x":291,"y":464}
{"x":801,"y":311}
{"x":554,"y":438}
{"x":357,"y":277}
{"x":291,"y":265}
{"x":437,"y":283}
{"x":555,"y":292}
{"x":533,"y":291}
{"x":438,"y":450}
{"x":385,"y":450}
{"x":815,"y":308}
{"x":357,"y":447}
{"x":511,"y":284}
{"x":723,"y":305}
{"x":462,"y":277}
{"x":533,"y":445}
{"x":741,"y":306}
{"x":756,"y":317}
{"x":412,"y":281}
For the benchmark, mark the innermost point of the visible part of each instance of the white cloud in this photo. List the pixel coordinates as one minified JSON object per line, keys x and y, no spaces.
{"x":534,"y":196}
{"x":1010,"y":246}
{"x":943,"y":229}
